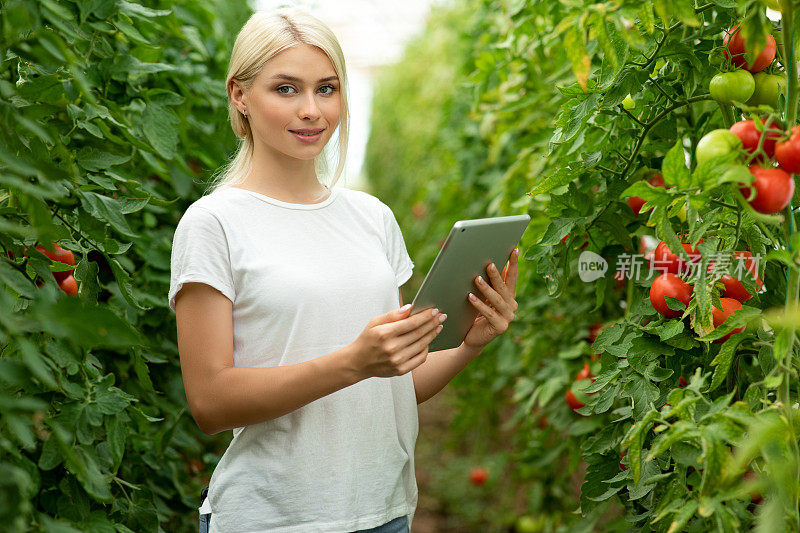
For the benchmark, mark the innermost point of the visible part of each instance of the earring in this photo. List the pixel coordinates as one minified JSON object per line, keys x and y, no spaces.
{"x":245,"y":113}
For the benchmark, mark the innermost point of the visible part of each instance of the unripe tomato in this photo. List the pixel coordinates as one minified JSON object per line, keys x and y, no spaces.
{"x":750,"y":136}
{"x":768,"y":89}
{"x":729,"y":306}
{"x":478,"y":476}
{"x":788,"y":152}
{"x":727,"y":87}
{"x":735,"y":46}
{"x":669,"y":284}
{"x":716,"y":143}
{"x":664,"y":260}
{"x":774,"y":189}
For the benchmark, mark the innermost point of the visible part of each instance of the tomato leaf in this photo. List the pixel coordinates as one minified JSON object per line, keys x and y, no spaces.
{"x":674,"y":168}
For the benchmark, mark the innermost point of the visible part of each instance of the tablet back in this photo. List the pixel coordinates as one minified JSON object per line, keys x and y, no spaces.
{"x":471,"y":246}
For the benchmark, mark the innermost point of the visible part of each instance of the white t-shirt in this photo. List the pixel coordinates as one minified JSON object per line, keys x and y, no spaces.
{"x":304,"y":280}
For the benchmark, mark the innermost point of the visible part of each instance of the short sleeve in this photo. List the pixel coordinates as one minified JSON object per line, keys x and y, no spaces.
{"x":200,"y":254}
{"x":396,"y":251}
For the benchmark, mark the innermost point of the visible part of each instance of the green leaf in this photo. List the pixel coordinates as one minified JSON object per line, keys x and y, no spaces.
{"x":723,"y":361}
{"x":95,"y":160}
{"x":159,"y":124}
{"x":674,"y":169}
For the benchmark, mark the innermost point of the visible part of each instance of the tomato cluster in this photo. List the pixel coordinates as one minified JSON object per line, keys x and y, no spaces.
{"x":670,"y":284}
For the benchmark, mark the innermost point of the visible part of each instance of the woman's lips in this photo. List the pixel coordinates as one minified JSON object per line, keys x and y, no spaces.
{"x":307,"y":138}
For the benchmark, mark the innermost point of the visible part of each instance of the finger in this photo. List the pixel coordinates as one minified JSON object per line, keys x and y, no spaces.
{"x":511,"y":275}
{"x":412,"y":322}
{"x":495,"y":299}
{"x":420,"y":345}
{"x":421,"y":331}
{"x":498,"y":284}
{"x":413,"y":362}
{"x":497,"y":320}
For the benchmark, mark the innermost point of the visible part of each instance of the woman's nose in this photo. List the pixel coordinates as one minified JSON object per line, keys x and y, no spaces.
{"x":310,"y":107}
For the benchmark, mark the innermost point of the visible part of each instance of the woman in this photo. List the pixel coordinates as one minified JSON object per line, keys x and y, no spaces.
{"x":274,"y":277}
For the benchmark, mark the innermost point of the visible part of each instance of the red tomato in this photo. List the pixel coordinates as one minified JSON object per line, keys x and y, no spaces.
{"x":478,"y":476}
{"x":61,"y":255}
{"x":585,"y":373}
{"x":666,"y":261}
{"x":734,"y":48}
{"x":729,"y":306}
{"x":750,"y":136}
{"x":788,"y":152}
{"x":733,"y":287}
{"x":682,"y":381}
{"x":669,"y":284}
{"x":774,"y":189}
{"x":69,"y":285}
{"x":572,"y":401}
{"x":636,"y":202}
{"x":621,"y":455}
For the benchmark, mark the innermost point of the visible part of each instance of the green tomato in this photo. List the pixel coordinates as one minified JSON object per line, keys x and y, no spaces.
{"x":768,"y":89}
{"x":529,"y":524}
{"x":716,"y":143}
{"x":727,"y":87}
{"x":628,"y":102}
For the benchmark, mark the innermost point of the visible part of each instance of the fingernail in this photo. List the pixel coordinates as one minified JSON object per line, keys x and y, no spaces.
{"x":480,"y":279}
{"x":442,"y":318}
{"x":439,"y":328}
{"x":434,"y":312}
{"x":473,"y":297}
{"x":405,"y":308}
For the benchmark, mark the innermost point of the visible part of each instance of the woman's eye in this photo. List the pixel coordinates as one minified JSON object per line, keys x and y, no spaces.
{"x":331,"y":87}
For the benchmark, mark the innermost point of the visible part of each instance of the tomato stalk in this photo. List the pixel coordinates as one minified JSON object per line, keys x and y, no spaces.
{"x":727,"y":114}
{"x":793,"y":283}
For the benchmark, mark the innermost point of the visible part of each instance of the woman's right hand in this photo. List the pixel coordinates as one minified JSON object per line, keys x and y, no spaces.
{"x":394,"y":343}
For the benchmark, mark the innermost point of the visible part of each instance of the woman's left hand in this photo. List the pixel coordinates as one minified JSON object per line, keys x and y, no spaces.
{"x":497,"y":311}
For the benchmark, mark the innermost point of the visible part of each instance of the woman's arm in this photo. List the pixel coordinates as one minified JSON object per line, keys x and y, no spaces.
{"x":221,"y":396}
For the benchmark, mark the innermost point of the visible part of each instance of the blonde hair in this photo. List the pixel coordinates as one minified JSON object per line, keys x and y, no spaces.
{"x":263,"y":36}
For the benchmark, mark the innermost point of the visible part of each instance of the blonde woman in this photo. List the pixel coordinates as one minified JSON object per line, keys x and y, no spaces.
{"x":285,"y":294}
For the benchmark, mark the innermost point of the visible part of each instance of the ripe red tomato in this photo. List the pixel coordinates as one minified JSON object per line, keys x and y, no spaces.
{"x":636,"y":202}
{"x":729,"y":306}
{"x":750,"y":136}
{"x":668,"y":284}
{"x":666,"y":261}
{"x":774,"y":189}
{"x":61,"y":255}
{"x":572,"y":401}
{"x":734,"y":48}
{"x":585,"y":373}
{"x":478,"y":475}
{"x":788,"y":152}
{"x":733,"y":287}
{"x":682,"y":381}
{"x":69,"y":285}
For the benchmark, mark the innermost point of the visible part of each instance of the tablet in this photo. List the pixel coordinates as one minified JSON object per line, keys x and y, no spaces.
{"x":471,"y":246}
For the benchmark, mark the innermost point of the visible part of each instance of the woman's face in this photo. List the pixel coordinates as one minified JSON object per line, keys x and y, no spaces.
{"x":307,"y":99}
